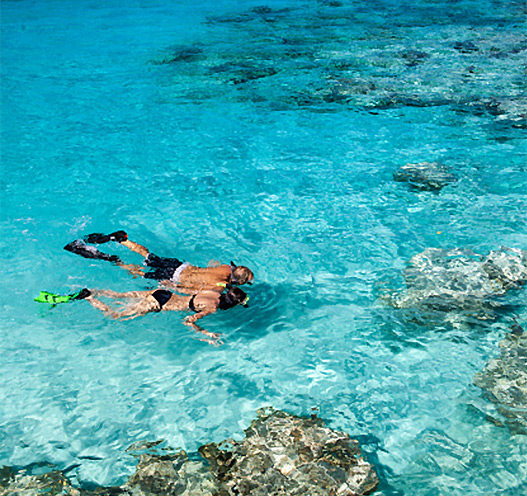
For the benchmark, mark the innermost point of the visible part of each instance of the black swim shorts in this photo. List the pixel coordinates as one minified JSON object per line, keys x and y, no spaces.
{"x":164,"y":267}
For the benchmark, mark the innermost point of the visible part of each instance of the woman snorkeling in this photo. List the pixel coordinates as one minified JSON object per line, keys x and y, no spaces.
{"x":134,"y":304}
{"x":172,"y":272}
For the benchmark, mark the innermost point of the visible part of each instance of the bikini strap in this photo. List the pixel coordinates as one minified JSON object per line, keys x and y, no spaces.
{"x":191,"y":305}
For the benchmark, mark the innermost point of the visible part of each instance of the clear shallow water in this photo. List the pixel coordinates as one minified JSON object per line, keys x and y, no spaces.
{"x":283,"y":173}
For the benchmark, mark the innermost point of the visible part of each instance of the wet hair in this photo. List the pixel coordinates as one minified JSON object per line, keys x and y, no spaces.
{"x":241,"y":275}
{"x":231,"y":298}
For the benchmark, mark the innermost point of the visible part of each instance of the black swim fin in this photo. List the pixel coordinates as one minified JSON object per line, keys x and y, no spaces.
{"x":80,"y":248}
{"x":98,"y":238}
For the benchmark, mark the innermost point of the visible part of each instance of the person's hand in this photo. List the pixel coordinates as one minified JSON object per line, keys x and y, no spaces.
{"x":213,"y":342}
{"x":211,"y":337}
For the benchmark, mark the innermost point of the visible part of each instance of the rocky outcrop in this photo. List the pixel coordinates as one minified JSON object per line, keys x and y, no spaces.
{"x":504,"y":381}
{"x":281,"y":454}
{"x":284,"y":454}
{"x":460,"y":280}
{"x":427,"y":176}
{"x":20,"y":483}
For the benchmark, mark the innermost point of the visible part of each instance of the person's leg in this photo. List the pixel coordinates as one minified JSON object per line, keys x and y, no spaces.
{"x":80,"y":248}
{"x":119,"y":237}
{"x":142,"y":306}
{"x":103,"y":307}
{"x":135,"y":247}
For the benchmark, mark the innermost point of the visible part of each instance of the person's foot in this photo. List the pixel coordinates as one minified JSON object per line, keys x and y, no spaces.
{"x":80,"y":248}
{"x":82,"y":294}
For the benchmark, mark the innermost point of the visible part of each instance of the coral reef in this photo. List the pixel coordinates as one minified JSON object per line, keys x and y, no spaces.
{"x":281,"y":454}
{"x":332,"y":56}
{"x":460,"y":280}
{"x":504,"y":381}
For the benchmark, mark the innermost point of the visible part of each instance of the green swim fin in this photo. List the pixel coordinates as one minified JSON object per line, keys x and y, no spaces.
{"x":54,"y":299}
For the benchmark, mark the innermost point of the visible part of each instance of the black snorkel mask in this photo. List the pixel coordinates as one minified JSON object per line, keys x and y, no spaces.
{"x":227,"y":302}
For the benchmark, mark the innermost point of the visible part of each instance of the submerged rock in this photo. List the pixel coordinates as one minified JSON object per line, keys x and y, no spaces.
{"x":466,"y":46}
{"x":428,"y":176}
{"x":254,"y":73}
{"x":509,"y":111}
{"x":287,"y":455}
{"x":504,"y":381}
{"x":281,"y":454}
{"x":460,"y":280}
{"x":414,"y":57}
{"x":171,"y":474}
{"x":20,"y":483}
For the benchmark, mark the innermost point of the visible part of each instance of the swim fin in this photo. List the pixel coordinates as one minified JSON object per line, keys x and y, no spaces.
{"x":98,"y":238}
{"x":54,"y":299}
{"x":80,"y":248}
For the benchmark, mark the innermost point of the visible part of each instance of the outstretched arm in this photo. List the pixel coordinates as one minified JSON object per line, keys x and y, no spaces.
{"x":190,"y":321}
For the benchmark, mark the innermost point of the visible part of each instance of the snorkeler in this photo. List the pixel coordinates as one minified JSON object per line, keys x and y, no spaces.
{"x":171,"y":272}
{"x":138,"y":303}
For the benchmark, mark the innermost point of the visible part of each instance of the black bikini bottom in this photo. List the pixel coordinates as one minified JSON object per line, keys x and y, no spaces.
{"x":162,"y":296}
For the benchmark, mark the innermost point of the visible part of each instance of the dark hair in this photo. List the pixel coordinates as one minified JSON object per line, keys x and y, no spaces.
{"x":241,"y":275}
{"x":231,"y":298}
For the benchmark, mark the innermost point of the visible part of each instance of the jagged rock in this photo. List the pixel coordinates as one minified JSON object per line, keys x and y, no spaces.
{"x":281,"y":455}
{"x":511,"y":111}
{"x":20,"y":483}
{"x":287,"y":455}
{"x":504,"y":381}
{"x":428,"y":176}
{"x":170,"y":475}
{"x":461,"y":280}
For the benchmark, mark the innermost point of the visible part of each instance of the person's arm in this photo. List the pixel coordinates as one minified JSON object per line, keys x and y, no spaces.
{"x":190,"y":321}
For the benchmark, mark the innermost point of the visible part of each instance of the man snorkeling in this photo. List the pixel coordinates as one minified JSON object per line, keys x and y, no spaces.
{"x":171,"y":272}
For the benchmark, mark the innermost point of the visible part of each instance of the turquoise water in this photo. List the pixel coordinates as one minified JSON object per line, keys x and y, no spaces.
{"x":212,"y":130}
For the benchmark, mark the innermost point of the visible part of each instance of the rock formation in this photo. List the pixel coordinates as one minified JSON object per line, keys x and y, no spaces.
{"x":428,"y":176}
{"x":504,"y":381}
{"x":460,"y":280}
{"x":280,"y":455}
